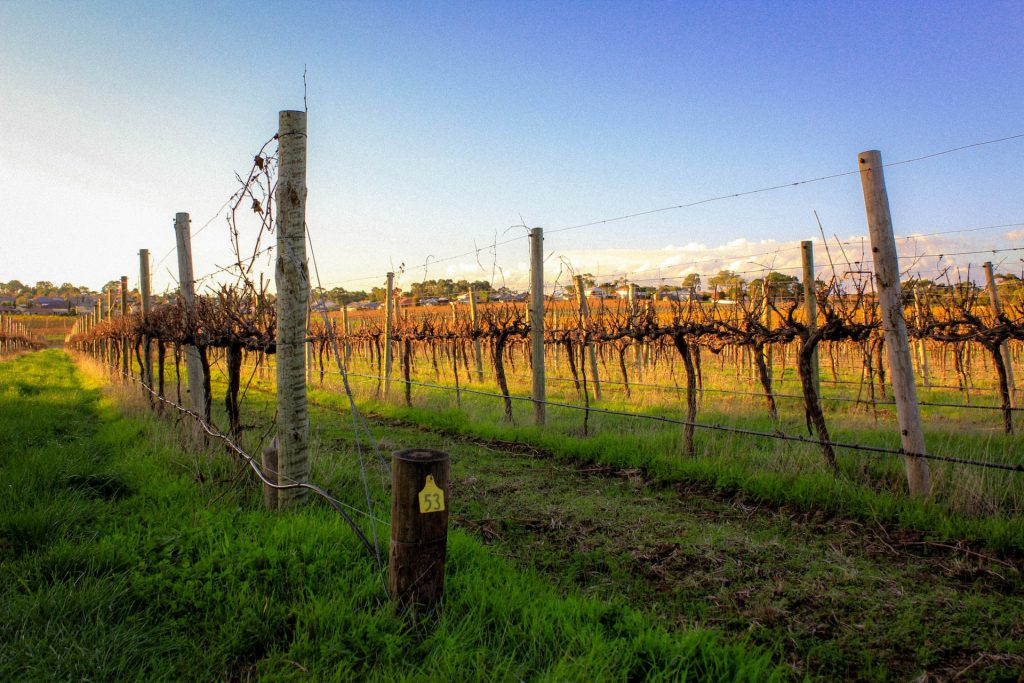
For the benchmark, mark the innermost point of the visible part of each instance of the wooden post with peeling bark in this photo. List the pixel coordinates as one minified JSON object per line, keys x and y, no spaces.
{"x":811,"y":306}
{"x":766,"y":320}
{"x":186,"y":289}
{"x":591,"y":351}
{"x":109,"y":345}
{"x":125,"y":346}
{"x":1004,"y":350}
{"x":634,"y":312}
{"x":291,"y":276}
{"x":538,"y":393}
{"x":922,"y":350}
{"x":389,"y":314}
{"x":477,"y":355}
{"x":144,"y":289}
{"x":348,"y":334}
{"x":887,"y":281}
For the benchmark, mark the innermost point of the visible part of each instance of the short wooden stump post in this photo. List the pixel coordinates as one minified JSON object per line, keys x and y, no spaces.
{"x":419,"y":526}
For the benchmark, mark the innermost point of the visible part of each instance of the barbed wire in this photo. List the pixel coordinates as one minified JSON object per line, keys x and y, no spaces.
{"x":717,"y":427}
{"x":215,"y":433}
{"x":699,"y":202}
{"x":761,"y":394}
{"x":360,"y":427}
{"x":198,"y":232}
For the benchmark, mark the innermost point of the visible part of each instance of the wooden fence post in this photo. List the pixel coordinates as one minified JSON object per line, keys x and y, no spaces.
{"x":591,"y":351}
{"x":291,"y":275}
{"x":125,"y":347}
{"x":634,"y":310}
{"x":887,"y":279}
{"x":348,"y":334}
{"x":186,"y":288}
{"x":476,"y":340}
{"x":811,"y":306}
{"x":537,"y":324}
{"x":144,"y":289}
{"x":389,"y":314}
{"x":922,"y":350}
{"x":997,"y":309}
{"x":766,"y":320}
{"x":308,"y":345}
{"x":419,"y":526}
{"x":97,"y":347}
{"x":109,"y":345}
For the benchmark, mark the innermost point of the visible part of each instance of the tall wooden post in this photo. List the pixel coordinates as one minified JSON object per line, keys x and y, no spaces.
{"x":111,"y":355}
{"x":887,"y":279}
{"x":922,"y":350}
{"x":419,"y":526}
{"x":291,"y":276}
{"x":348,"y":334}
{"x":97,"y":347}
{"x":997,"y":309}
{"x":591,"y":351}
{"x":186,"y":288}
{"x":476,"y":340}
{"x":537,"y":324}
{"x":308,"y":345}
{"x":766,"y":320}
{"x":125,"y":347}
{"x":144,"y":289}
{"x":389,"y":314}
{"x":811,"y":305}
{"x":634,"y":310}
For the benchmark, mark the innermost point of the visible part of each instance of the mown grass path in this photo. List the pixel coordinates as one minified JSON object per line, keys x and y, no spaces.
{"x":835,"y":598}
{"x":117,"y":564}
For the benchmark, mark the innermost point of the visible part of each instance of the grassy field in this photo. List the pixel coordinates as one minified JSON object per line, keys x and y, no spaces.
{"x":835,"y":580}
{"x":984,"y":507}
{"x":50,"y":329}
{"x":124,"y":558}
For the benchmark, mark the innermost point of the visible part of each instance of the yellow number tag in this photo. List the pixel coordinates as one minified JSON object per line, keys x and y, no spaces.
{"x":431,"y":497}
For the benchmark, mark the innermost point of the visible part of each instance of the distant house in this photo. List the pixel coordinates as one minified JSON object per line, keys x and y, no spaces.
{"x":83,"y":303}
{"x":321,"y":306}
{"x":680,"y":295}
{"x":49,"y":304}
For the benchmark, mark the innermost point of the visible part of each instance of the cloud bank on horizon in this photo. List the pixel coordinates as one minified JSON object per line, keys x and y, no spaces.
{"x":956,"y":256}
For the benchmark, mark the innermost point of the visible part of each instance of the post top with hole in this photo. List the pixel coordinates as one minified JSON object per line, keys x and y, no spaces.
{"x":420,"y":455}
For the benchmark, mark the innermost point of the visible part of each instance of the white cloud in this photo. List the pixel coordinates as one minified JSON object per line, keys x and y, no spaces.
{"x":928,"y":256}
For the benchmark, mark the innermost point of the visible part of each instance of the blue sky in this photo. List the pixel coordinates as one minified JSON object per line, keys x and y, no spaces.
{"x":436,"y":126}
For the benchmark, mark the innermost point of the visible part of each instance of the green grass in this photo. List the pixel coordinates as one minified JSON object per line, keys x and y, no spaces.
{"x":119,"y":565}
{"x":837,"y":596}
{"x":985,"y":508}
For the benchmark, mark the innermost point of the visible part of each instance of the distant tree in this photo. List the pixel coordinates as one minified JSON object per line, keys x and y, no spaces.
{"x":779,"y":284}
{"x":342,"y":296}
{"x":1010,"y":288}
{"x":692,"y":282}
{"x":728,"y":283}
